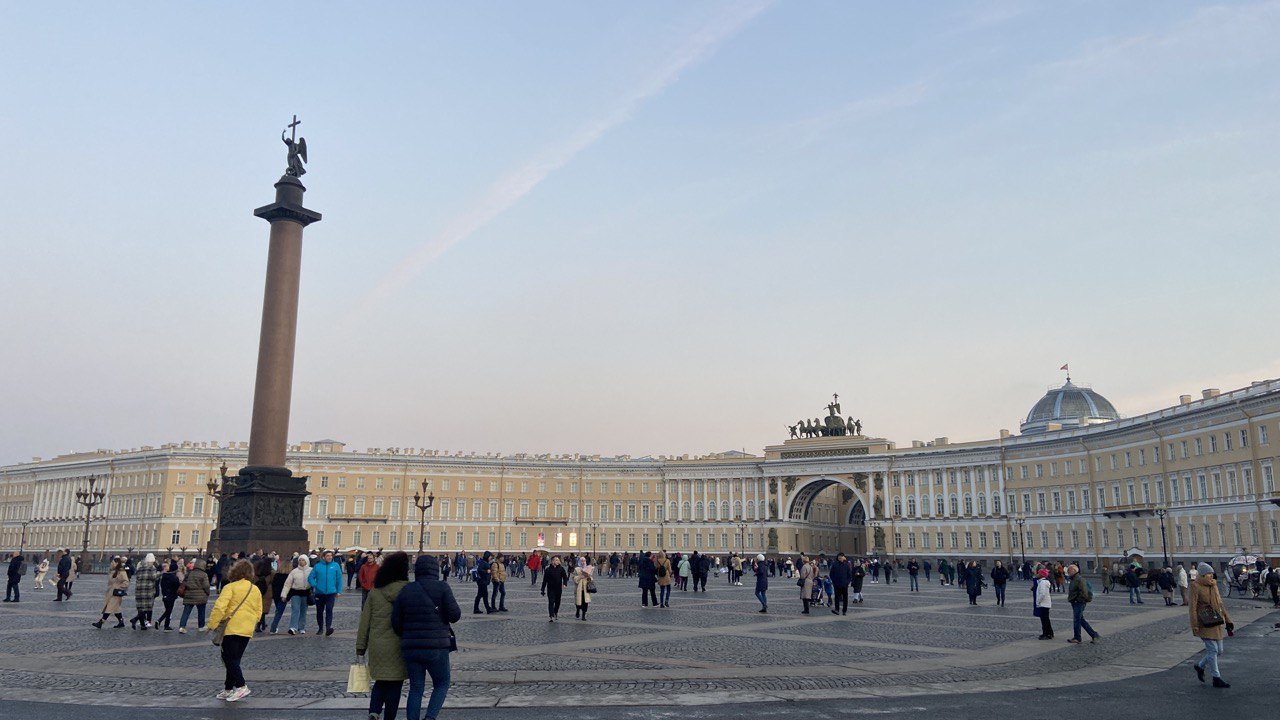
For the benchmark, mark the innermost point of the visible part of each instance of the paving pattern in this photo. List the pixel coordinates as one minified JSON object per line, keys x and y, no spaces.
{"x":706,"y":646}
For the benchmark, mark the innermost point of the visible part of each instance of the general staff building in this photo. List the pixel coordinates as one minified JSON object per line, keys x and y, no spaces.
{"x":1078,"y":481}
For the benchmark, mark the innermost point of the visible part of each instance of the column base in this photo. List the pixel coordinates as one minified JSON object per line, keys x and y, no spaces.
{"x":264,"y":513}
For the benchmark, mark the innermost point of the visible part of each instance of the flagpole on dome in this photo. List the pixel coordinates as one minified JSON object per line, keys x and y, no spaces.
{"x":1067,"y":368}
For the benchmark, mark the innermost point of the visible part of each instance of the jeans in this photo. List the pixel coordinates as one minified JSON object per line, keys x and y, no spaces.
{"x":186,"y":613}
{"x":1212,"y":649}
{"x":499,"y":595}
{"x":1078,"y":621}
{"x":298,"y":613}
{"x":384,"y":698}
{"x":482,"y":595}
{"x":915,"y":582}
{"x":533,"y":577}
{"x":1135,"y":594}
{"x":760,"y":595}
{"x":280,"y":606}
{"x":232,"y":650}
{"x":419,"y":663}
{"x":324,"y":610}
{"x":1000,"y":594}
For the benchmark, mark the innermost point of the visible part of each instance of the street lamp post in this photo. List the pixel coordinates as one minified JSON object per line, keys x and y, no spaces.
{"x":22,"y":544}
{"x":220,"y":493}
{"x":90,"y":499}
{"x":1161,"y":511}
{"x":1021,"y":520}
{"x":742,"y":536}
{"x":423,"y":505}
{"x":595,"y":537}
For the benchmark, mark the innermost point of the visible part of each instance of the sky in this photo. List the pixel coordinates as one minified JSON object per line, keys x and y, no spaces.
{"x":632,"y":228}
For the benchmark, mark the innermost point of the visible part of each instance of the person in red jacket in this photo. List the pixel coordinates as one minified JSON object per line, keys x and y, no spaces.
{"x":364,"y":578}
{"x":534,"y":564}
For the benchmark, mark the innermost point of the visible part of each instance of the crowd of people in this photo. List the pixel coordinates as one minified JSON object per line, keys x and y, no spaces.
{"x":405,"y":627}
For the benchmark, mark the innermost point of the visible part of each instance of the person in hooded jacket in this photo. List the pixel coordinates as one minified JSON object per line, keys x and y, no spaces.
{"x":761,"y":569}
{"x":554,"y":580}
{"x":169,"y":584}
{"x":482,"y":585}
{"x":377,"y":640}
{"x":421,"y":616}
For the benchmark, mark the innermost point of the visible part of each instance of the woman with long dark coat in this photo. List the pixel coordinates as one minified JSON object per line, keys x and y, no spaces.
{"x":648,"y":580}
{"x":554,"y":579}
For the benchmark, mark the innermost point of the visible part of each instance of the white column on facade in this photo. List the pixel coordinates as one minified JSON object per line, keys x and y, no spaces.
{"x":902,"y":493}
{"x":999,"y":470}
{"x":916,"y":484}
{"x":991,"y":506}
{"x":666,"y":499}
{"x":755,"y":498}
{"x":769,"y":514}
{"x":733,"y":515}
{"x":680,"y":500}
{"x":718,"y":513}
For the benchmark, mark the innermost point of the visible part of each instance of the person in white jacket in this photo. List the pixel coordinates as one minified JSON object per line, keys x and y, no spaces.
{"x":295,"y":590}
{"x":1182,"y":582}
{"x":1043,"y":602}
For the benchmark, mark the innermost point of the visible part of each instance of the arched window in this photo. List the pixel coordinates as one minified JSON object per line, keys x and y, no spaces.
{"x":911,"y":506}
{"x":995,"y":503}
{"x":751,"y":509}
{"x":982,"y":503}
{"x":687,"y":515}
{"x":724,"y":511}
{"x":672,"y":512}
{"x":712,"y":508}
{"x":897,"y":506}
{"x":968,"y":504}
{"x":698,"y":514}
{"x":955,"y":505}
{"x":942,"y":506}
{"x":737,"y":509}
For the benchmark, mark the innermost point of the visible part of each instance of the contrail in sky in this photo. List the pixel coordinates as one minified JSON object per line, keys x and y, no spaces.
{"x":513,"y":186}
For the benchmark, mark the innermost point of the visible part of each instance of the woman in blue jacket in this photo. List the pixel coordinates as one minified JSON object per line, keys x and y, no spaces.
{"x":421,"y":616}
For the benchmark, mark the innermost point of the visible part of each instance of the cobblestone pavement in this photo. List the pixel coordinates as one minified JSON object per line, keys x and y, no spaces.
{"x":707,"y":648}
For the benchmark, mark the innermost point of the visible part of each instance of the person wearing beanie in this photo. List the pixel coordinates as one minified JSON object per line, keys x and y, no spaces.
{"x":762,"y":582}
{"x":1210,"y":622}
{"x":146,"y":586}
{"x":1042,"y":602}
{"x":421,"y":615}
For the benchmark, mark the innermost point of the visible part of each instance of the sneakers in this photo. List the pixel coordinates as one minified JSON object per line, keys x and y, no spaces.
{"x":182,"y":631}
{"x":238,"y":694}
{"x":222,"y":694}
{"x":1095,"y":639}
{"x":292,"y":631}
{"x":1074,"y":641}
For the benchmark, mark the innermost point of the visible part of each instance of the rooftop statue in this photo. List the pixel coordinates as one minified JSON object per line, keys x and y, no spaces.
{"x":297,"y":149}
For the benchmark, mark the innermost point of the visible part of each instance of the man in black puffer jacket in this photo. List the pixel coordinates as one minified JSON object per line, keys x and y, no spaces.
{"x":421,"y":616}
{"x":482,"y":585}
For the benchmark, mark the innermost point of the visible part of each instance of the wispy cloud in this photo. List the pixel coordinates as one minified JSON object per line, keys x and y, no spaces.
{"x":510,"y":188}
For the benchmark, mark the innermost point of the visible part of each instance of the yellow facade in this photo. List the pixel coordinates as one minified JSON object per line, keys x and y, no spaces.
{"x":1088,"y":493}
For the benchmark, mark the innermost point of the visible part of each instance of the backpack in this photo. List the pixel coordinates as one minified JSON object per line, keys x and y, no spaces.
{"x":22,"y":568}
{"x":662,"y":570}
{"x":1088,"y":592}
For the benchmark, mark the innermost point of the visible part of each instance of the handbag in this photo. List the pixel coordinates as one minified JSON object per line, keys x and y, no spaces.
{"x":182,"y":590}
{"x":453,"y":639}
{"x":1207,"y":616}
{"x":221,"y":630}
{"x":591,"y":585}
{"x":311,"y":596}
{"x":800,"y":583}
{"x":358,"y":678}
{"x":119,"y":592}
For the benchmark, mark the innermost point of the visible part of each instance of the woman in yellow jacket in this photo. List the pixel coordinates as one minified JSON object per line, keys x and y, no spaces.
{"x":240,"y":605}
{"x":1206,"y":605}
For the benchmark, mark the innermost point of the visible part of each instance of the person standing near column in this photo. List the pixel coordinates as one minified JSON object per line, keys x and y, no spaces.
{"x":326,"y":578}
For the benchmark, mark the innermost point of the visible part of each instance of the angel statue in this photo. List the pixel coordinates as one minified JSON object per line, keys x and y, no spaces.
{"x":297,"y":151}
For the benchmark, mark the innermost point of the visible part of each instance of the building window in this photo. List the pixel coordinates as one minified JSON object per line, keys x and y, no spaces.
{"x":955,"y":540}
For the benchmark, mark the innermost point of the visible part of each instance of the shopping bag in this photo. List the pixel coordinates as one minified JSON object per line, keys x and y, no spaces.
{"x":358,"y":678}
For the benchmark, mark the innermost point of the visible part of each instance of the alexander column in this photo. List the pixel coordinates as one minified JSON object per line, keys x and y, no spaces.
{"x":262,"y":505}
